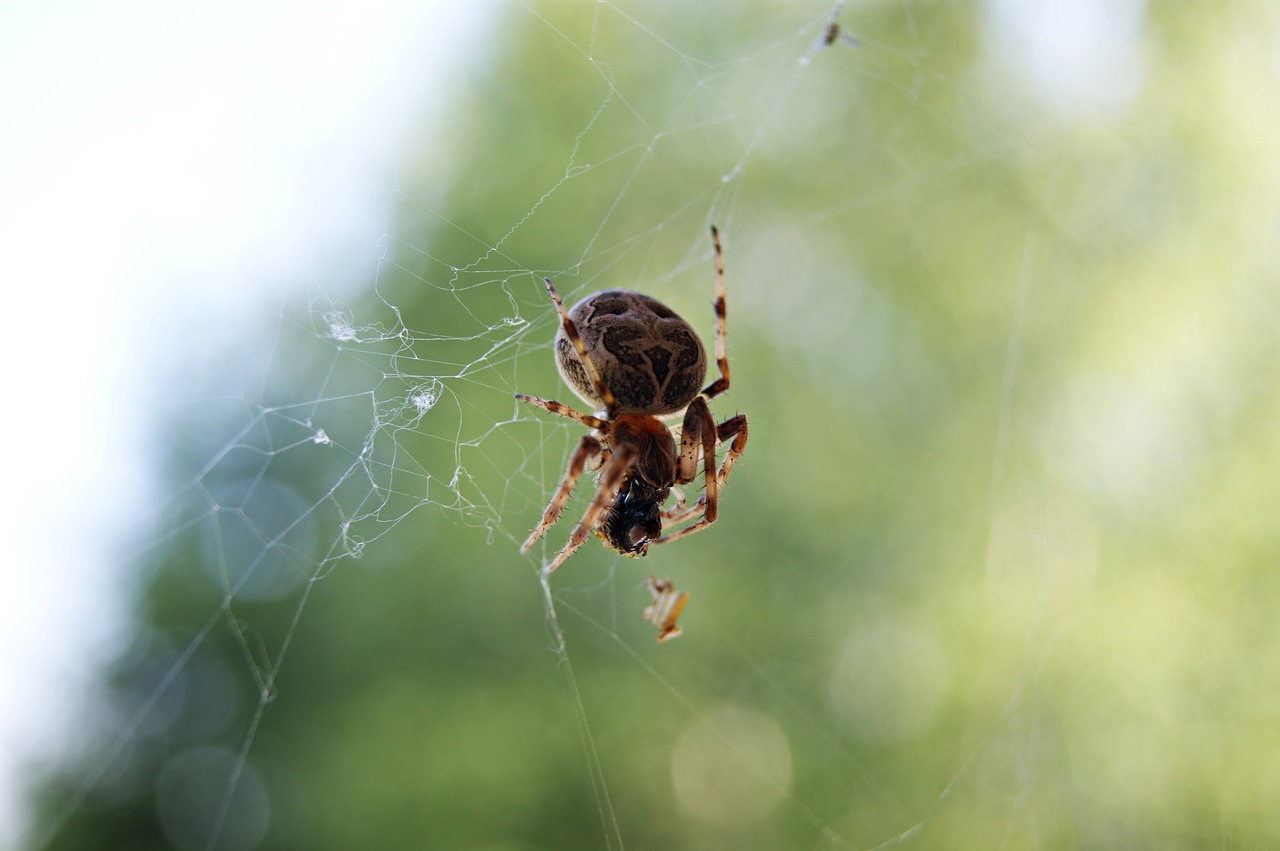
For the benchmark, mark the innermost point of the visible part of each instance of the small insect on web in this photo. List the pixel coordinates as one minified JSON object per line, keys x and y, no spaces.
{"x":633,"y":359}
{"x":665,"y":608}
{"x":833,"y":31}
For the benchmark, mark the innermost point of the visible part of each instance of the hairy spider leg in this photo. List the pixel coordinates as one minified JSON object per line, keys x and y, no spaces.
{"x":735,"y":427}
{"x":588,"y":449}
{"x":611,"y":479}
{"x":562,"y":410}
{"x":698,"y":432}
{"x":675,"y":510}
{"x":721,"y":384}
{"x":571,"y":331}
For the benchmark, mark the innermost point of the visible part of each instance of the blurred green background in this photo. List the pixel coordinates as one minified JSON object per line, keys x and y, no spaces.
{"x":999,"y":565}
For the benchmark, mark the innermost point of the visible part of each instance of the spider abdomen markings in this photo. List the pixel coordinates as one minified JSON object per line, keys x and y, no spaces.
{"x":647,"y":356}
{"x":659,"y":361}
{"x":690,"y":363}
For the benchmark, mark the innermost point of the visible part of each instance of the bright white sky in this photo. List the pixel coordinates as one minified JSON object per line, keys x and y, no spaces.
{"x":165,"y":169}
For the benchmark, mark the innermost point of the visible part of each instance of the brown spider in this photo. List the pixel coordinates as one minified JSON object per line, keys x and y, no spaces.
{"x":634,"y":360}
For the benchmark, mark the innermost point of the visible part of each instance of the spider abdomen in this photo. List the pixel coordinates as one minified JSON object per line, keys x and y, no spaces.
{"x":650,"y":359}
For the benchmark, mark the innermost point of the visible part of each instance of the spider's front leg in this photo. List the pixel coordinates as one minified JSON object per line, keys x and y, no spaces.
{"x":571,"y":332}
{"x":588,"y":449}
{"x":611,"y":479}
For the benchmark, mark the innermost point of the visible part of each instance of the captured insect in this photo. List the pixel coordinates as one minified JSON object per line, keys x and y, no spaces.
{"x":665,"y":608}
{"x":634,"y":360}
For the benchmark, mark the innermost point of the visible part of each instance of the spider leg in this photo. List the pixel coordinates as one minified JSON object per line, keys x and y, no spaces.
{"x":698,"y":432}
{"x":675,"y":510}
{"x":611,"y":479}
{"x":686,"y":465}
{"x":691,"y":440}
{"x":721,"y":384}
{"x":735,"y":427}
{"x":681,"y":516}
{"x":571,"y":331}
{"x":588,"y":448}
{"x":560,"y":409}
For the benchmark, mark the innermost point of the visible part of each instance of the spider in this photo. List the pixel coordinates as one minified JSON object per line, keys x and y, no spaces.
{"x":633,"y":359}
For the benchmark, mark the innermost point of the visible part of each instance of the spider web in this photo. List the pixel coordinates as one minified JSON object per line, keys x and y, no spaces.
{"x":973,"y":383}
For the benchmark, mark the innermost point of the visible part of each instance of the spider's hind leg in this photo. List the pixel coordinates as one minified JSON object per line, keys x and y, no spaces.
{"x":736,"y":428}
{"x":677,"y":509}
{"x":698,"y":433}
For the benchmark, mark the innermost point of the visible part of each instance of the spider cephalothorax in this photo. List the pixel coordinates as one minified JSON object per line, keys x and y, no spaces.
{"x":633,"y":359}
